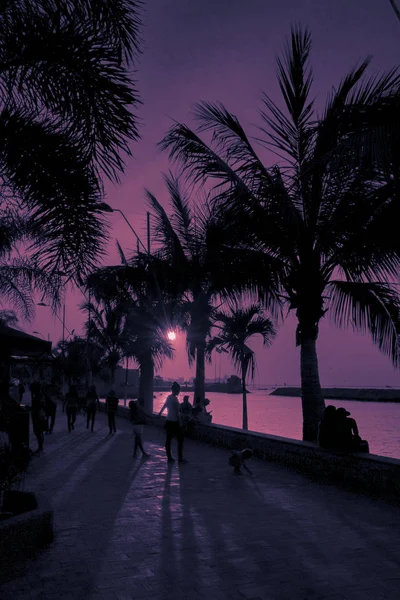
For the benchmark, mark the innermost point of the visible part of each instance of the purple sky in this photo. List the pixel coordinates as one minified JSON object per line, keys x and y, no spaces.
{"x":224,"y":50}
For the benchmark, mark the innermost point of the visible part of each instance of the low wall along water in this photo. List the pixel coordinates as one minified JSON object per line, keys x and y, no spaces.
{"x":366,"y":471}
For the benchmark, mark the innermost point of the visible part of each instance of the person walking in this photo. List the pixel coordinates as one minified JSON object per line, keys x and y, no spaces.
{"x":173,"y":424}
{"x":52,"y":394}
{"x":38,"y":414}
{"x":112,"y":407}
{"x":138,"y":420}
{"x":71,"y":406}
{"x":92,"y":404}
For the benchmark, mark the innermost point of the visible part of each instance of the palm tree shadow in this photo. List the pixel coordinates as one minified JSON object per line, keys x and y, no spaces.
{"x":81,"y":515}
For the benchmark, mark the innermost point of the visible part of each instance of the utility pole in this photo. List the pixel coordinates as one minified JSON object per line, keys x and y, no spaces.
{"x":148,"y":233}
{"x":126,"y":380}
{"x":63,"y":350}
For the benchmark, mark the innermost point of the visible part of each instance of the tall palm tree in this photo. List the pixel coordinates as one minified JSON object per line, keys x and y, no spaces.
{"x":192,"y":253}
{"x":323,"y":221}
{"x":149,"y":346}
{"x":237,"y":326}
{"x":149,"y":314}
{"x":107,"y":329}
{"x":66,"y":118}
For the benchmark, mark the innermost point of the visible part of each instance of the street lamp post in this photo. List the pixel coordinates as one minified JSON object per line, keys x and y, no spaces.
{"x":70,"y":333}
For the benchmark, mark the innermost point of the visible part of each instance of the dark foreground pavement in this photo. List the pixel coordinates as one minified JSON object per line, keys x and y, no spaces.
{"x":132,"y":529}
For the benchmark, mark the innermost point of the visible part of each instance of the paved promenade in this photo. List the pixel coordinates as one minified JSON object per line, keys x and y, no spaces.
{"x":127,"y":529}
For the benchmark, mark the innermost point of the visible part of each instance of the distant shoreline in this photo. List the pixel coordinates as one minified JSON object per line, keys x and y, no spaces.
{"x":358,"y":394}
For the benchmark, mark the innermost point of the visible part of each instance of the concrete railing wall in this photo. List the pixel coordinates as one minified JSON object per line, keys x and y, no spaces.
{"x":367,"y":471}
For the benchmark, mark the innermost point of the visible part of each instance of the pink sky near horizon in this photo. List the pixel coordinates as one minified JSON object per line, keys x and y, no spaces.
{"x":224,"y":51}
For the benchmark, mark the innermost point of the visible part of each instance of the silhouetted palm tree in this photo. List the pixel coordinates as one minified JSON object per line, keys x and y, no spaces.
{"x":149,"y":314}
{"x":19,"y":275}
{"x":107,"y":329}
{"x":75,"y":357}
{"x":237,"y":326}
{"x":324,"y":220}
{"x":66,"y":119}
{"x":200,"y":268}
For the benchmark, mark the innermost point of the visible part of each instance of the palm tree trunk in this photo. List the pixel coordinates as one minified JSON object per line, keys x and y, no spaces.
{"x":311,"y":394}
{"x":146,"y":382}
{"x":244,"y":392}
{"x":199,"y":388}
{"x":112,"y":373}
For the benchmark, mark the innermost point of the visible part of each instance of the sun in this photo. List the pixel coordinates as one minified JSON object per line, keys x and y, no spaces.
{"x":171,"y":335}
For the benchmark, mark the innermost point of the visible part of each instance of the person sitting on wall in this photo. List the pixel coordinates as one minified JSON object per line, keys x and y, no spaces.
{"x":327,"y":429}
{"x":197,"y":407}
{"x":186,"y":412}
{"x":348,"y":437}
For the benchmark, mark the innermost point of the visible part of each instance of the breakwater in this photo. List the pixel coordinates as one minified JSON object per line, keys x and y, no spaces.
{"x":360,"y":394}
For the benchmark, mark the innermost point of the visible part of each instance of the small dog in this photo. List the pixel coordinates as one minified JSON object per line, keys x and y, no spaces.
{"x":237,"y":460}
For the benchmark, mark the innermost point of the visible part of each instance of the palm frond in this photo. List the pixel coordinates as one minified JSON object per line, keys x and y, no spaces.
{"x":293,"y":136}
{"x":368,"y":307}
{"x":182,"y":218}
{"x":164,"y":232}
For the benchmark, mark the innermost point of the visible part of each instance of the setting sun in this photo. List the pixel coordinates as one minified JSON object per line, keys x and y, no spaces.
{"x":171,"y":335}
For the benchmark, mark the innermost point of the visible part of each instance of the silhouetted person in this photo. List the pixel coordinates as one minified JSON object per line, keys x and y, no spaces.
{"x":71,"y":406}
{"x":112,"y":407}
{"x":50,"y":407}
{"x":186,"y":411}
{"x":237,"y":460}
{"x":348,"y":439}
{"x":172,"y":426}
{"x":92,"y":404}
{"x":138,"y":420}
{"x":35,"y":390}
{"x":37,"y":414}
{"x":327,"y":430}
{"x":197,"y":407}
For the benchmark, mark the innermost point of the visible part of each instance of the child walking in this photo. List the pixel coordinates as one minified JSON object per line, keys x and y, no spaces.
{"x":138,"y":421}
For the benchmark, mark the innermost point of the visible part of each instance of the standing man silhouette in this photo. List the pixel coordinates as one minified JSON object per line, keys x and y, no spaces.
{"x":173,"y":424}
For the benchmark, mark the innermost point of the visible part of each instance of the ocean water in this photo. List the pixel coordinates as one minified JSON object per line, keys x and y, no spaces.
{"x":379,"y":423}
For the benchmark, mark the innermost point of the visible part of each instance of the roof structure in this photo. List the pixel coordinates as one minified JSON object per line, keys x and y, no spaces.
{"x":18,"y":343}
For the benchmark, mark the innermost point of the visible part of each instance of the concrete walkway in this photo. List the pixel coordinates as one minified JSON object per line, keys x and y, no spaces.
{"x":132,"y":529}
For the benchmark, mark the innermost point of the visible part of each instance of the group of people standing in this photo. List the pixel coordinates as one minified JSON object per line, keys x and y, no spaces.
{"x":339,"y":432}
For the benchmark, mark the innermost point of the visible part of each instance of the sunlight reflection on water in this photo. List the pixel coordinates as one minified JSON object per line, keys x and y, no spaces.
{"x":379,"y":423}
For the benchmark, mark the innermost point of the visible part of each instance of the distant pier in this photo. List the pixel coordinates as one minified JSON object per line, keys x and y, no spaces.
{"x":360,"y":394}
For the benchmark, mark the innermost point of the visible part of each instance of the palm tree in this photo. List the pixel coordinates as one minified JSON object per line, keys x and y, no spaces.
{"x":237,"y":326}
{"x":74,"y":357}
{"x":192,"y":255}
{"x":107,"y":329}
{"x":66,"y":118}
{"x":149,"y":313}
{"x":19,"y":275}
{"x":323,"y":221}
{"x":149,"y":347}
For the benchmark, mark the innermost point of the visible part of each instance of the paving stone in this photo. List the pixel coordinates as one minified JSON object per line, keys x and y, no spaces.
{"x":129,"y":529}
